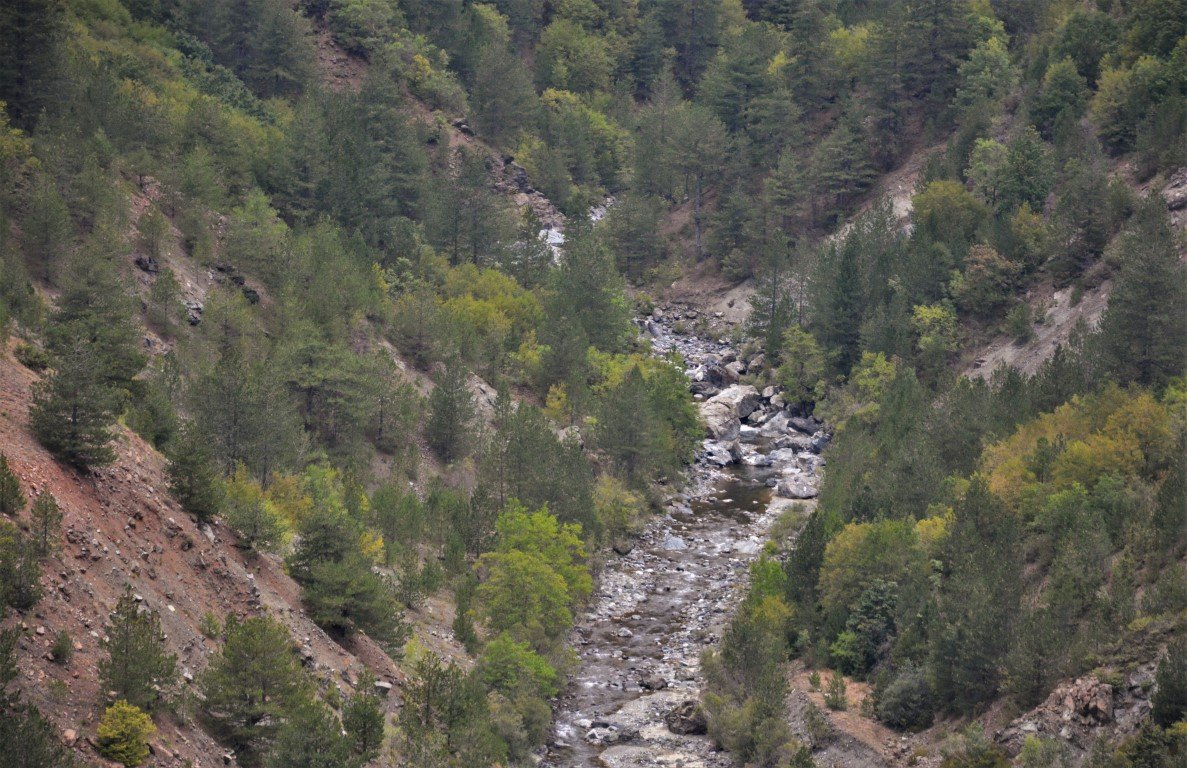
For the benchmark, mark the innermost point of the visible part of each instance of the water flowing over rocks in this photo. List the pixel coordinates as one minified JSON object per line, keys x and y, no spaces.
{"x":664,"y":599}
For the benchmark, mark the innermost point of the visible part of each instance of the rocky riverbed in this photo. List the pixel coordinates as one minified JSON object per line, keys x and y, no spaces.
{"x":660,"y":604}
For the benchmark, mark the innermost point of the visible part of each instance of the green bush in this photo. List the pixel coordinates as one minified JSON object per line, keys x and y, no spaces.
{"x":33,"y":358}
{"x":124,"y":733}
{"x":63,"y":648}
{"x":1019,"y":323}
{"x":975,"y":752}
{"x":906,"y":704}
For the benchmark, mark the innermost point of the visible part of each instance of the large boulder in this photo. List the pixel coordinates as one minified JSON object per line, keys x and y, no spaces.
{"x":796,"y":487}
{"x":742,"y":399}
{"x":686,"y":719}
{"x":721,"y":454}
{"x":809,"y":425}
{"x":796,"y":442}
{"x":721,"y":423}
{"x":775,"y":425}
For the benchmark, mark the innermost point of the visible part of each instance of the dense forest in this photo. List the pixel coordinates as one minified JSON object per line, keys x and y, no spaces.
{"x":296,"y":248}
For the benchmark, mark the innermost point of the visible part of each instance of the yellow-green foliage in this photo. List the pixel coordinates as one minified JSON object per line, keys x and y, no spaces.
{"x":124,"y":733}
{"x":251,"y":513}
{"x":1123,"y":432}
{"x":536,"y":573}
{"x":617,"y":507}
{"x":864,"y":552}
{"x":490,"y":304}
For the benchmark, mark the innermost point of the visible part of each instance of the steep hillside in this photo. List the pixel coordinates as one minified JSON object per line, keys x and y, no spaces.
{"x":121,"y":528}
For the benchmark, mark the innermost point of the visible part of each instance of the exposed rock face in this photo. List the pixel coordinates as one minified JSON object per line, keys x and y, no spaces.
{"x":1083,"y":710}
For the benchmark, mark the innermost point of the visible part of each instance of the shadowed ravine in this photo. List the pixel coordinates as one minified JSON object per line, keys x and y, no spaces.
{"x":659,"y":606}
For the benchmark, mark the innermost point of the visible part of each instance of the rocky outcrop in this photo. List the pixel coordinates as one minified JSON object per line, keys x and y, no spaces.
{"x":1083,"y":710}
{"x":797,"y":487}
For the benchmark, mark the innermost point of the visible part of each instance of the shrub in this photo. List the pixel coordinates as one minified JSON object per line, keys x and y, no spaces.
{"x":63,"y":648}
{"x":1019,"y":322}
{"x":906,"y":704}
{"x":34,"y":358}
{"x":975,"y":752}
{"x":12,"y":500}
{"x":210,"y":626}
{"x":834,"y":694}
{"x":124,"y":734}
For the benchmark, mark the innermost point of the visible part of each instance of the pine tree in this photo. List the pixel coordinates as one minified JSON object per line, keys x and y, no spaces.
{"x":253,"y":685}
{"x":74,"y":409}
{"x":47,"y":229}
{"x":839,"y":305}
{"x":771,"y":307}
{"x":20,"y":568}
{"x":502,"y":96}
{"x":12,"y":500}
{"x":363,"y":719}
{"x":451,"y":413}
{"x":699,"y":142}
{"x":627,"y":431}
{"x":95,"y":310}
{"x":939,"y":34}
{"x":1144,"y":330}
{"x":977,"y":601}
{"x":138,"y":668}
{"x":340,"y":591}
{"x":21,"y":724}
{"x":47,"y":518}
{"x":840,"y":169}
{"x":311,"y":738}
{"x":31,"y":32}
{"x":193,"y":474}
{"x":1170,"y":695}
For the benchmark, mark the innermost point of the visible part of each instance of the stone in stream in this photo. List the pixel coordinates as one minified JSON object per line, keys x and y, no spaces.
{"x":775,"y":425}
{"x":796,"y":488}
{"x":809,"y":425}
{"x":721,"y":422}
{"x":718,"y":453}
{"x":742,"y":399}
